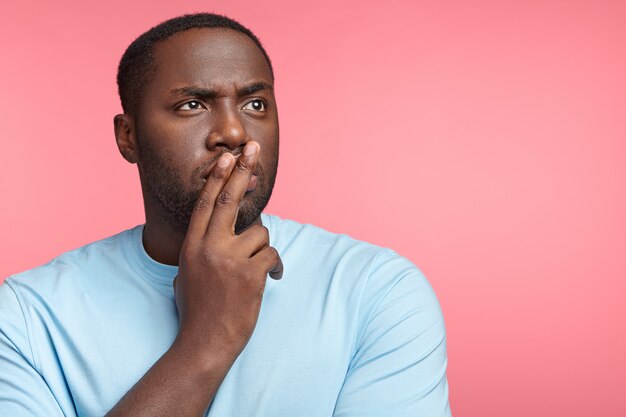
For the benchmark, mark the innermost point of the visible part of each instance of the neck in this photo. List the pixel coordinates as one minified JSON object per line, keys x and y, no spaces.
{"x":162,"y":242}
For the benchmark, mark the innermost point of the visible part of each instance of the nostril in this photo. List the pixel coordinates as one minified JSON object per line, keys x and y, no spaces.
{"x":232,"y":138}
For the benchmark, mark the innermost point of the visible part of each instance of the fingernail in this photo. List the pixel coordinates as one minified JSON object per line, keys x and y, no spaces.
{"x":250,"y":149}
{"x":223,"y":161}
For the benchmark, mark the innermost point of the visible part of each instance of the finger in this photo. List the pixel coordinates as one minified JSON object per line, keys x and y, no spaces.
{"x":277,"y":272}
{"x":224,"y":214}
{"x":270,"y":261}
{"x":206,"y":201}
{"x":232,"y":226}
{"x":254,"y":239}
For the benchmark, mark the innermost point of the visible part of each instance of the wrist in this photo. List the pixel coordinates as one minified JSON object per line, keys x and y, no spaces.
{"x":203,"y":359}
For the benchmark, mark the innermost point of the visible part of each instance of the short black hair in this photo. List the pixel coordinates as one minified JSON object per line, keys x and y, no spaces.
{"x":138,"y":66}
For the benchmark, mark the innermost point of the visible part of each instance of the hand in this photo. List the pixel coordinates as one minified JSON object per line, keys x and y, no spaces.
{"x":221,"y":277}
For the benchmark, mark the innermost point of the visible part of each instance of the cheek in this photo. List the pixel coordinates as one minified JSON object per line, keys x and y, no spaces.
{"x":268,"y":138}
{"x":269,"y":160}
{"x":181,"y":141}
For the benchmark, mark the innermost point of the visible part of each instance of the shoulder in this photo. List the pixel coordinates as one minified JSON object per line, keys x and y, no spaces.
{"x":70,"y":270}
{"x":377,"y":271}
{"x":291,"y":236}
{"x":312,"y":243}
{"x":397,"y":284}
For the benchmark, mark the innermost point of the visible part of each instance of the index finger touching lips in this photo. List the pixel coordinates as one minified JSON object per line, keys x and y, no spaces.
{"x":240,"y":180}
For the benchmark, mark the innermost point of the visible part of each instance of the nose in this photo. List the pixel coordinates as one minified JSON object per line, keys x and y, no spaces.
{"x":226,"y":129}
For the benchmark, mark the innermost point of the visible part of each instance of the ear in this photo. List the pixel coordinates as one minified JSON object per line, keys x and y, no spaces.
{"x":125,"y":136}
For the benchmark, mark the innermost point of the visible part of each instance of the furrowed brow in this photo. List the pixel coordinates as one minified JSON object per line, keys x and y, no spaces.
{"x":199,"y":92}
{"x":253,"y":88}
{"x":206,"y":93}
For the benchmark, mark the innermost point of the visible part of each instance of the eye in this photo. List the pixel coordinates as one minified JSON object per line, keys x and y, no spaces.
{"x":255,"y":105}
{"x":191,"y":105}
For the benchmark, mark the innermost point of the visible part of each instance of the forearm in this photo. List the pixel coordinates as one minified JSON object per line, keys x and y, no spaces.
{"x":182,"y":382}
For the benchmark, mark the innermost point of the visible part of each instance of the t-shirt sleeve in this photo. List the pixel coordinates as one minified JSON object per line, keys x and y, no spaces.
{"x":23,"y":391}
{"x":399,"y":363}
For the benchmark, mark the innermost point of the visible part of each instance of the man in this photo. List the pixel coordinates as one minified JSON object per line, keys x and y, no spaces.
{"x":177,"y":317}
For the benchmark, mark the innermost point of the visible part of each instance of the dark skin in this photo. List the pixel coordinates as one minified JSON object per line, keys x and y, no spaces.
{"x":206,"y":130}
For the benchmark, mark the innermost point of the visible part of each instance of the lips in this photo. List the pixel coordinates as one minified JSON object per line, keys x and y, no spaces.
{"x":254,"y":179}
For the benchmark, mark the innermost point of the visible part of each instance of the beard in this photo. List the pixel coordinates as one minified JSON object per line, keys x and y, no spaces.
{"x":176,"y":203}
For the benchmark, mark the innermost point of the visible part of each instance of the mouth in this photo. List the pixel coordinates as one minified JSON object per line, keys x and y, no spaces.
{"x":254,"y":179}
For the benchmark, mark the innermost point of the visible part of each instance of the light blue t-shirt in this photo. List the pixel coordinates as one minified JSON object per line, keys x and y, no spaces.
{"x":352,"y":330}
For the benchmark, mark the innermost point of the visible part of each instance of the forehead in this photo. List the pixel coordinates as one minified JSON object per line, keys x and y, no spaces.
{"x":211,"y":57}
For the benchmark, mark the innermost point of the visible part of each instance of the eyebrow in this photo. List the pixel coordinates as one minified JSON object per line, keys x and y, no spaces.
{"x":208,"y":93}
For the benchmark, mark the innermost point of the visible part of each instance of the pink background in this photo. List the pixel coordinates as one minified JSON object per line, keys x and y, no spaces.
{"x":484,"y":140}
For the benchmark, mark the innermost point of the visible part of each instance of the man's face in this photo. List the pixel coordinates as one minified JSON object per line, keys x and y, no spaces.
{"x":212,"y":93}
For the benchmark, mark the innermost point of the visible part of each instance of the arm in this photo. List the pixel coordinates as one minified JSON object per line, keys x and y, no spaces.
{"x":399,"y":365}
{"x":218,"y":290}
